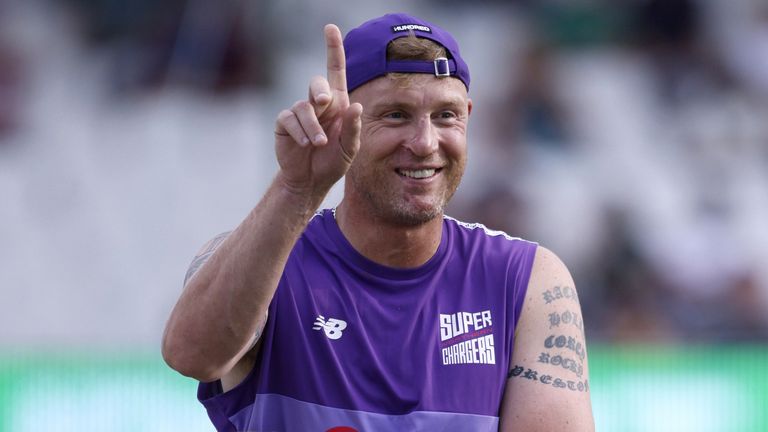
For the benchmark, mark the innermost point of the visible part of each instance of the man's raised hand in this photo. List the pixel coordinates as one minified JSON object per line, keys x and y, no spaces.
{"x":317,"y":138}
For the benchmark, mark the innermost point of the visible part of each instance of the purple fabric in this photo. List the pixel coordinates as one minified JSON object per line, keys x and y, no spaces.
{"x":396,"y":353}
{"x":366,"y":49}
{"x":271,"y":412}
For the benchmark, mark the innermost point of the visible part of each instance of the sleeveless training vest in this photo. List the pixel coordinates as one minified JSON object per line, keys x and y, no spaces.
{"x":351,"y":345}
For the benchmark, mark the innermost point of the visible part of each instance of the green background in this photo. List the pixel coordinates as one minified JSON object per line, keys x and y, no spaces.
{"x":634,"y":388}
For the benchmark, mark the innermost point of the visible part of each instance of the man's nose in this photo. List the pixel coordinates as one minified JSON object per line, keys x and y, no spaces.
{"x":425,"y":139}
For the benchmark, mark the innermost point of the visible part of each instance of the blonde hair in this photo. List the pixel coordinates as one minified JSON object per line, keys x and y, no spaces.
{"x":412,"y":48}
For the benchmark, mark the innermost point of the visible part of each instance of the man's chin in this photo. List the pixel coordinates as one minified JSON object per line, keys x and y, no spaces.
{"x":415,"y":215}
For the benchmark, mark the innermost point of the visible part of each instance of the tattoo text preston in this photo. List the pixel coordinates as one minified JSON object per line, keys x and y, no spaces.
{"x":530,"y":374}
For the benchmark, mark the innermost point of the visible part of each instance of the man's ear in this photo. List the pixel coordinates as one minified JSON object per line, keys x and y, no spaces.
{"x":469,"y":107}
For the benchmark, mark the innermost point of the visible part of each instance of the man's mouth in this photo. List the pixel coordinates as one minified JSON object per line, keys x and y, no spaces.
{"x":419,"y":173}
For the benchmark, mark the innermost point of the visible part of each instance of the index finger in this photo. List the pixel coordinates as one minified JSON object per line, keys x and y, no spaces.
{"x":337,"y":71}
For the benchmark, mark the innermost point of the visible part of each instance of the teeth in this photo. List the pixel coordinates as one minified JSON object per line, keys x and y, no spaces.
{"x":418,"y":174}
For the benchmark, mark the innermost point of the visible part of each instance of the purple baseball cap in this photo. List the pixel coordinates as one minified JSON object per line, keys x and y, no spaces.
{"x":366,"y":50}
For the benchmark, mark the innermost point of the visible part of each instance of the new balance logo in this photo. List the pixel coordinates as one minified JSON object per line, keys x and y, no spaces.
{"x":332,"y":327}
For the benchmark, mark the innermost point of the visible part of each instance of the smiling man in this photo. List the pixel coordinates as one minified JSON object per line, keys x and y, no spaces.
{"x":382,"y":314}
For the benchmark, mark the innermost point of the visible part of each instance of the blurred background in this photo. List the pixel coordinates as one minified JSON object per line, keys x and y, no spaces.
{"x":629,"y":136}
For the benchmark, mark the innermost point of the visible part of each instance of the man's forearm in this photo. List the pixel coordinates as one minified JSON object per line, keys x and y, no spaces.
{"x":224,"y":303}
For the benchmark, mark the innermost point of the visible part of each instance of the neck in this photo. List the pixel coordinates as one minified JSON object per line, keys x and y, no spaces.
{"x":386,"y":243}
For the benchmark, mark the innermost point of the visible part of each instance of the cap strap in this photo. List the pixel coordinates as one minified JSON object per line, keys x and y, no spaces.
{"x":441,"y":67}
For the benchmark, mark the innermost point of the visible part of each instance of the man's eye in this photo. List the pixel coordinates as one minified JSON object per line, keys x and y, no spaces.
{"x":447,"y":114}
{"x":395,"y":115}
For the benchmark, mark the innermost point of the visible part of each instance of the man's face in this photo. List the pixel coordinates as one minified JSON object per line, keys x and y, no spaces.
{"x":413,"y":147}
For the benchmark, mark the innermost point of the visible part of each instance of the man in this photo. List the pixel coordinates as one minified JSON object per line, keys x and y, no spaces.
{"x":381,"y":314}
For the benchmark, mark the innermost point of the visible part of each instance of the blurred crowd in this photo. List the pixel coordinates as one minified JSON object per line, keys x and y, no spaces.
{"x":636,"y":136}
{"x":628,"y":136}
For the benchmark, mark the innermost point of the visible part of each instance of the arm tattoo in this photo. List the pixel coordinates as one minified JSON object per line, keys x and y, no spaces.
{"x":260,"y":329}
{"x":565,"y":318}
{"x":203,"y":256}
{"x":532,"y":375}
{"x":562,"y":361}
{"x":560,"y":293}
{"x":567,"y":342}
{"x":195,"y":266}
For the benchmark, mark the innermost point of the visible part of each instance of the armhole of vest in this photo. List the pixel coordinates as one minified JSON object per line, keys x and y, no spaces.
{"x":521,"y":283}
{"x":222,"y":406}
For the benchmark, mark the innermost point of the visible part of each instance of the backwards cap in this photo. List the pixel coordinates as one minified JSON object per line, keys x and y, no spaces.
{"x":365,"y":48}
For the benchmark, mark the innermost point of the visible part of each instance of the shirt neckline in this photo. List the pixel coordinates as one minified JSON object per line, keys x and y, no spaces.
{"x":369,"y":266}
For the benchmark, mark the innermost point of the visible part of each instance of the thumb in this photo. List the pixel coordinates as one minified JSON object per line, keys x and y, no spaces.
{"x":350,"y":132}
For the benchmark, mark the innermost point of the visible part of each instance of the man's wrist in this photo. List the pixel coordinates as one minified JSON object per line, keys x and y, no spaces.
{"x":298,"y":199}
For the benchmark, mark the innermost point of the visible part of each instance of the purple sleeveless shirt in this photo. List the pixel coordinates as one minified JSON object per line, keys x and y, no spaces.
{"x":351,"y":345}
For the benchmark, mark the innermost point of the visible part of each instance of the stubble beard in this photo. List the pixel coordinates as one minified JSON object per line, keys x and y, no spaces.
{"x":389,"y":204}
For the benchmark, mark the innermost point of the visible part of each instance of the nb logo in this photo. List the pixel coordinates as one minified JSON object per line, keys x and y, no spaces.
{"x":332,"y":327}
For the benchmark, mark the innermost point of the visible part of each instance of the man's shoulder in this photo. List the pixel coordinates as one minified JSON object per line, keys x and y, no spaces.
{"x":316,"y":223}
{"x":480,"y":232}
{"x":477,"y":242}
{"x":321,"y":235}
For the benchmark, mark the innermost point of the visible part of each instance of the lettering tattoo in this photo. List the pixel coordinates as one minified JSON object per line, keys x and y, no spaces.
{"x":559,"y":293}
{"x":566,"y":318}
{"x":568,"y":342}
{"x":259,"y":330}
{"x":532,"y":375}
{"x":564,"y":362}
{"x":203,"y":256}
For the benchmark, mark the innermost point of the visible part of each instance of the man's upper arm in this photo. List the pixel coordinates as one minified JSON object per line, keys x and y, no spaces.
{"x":548,"y":380}
{"x":247,"y":359}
